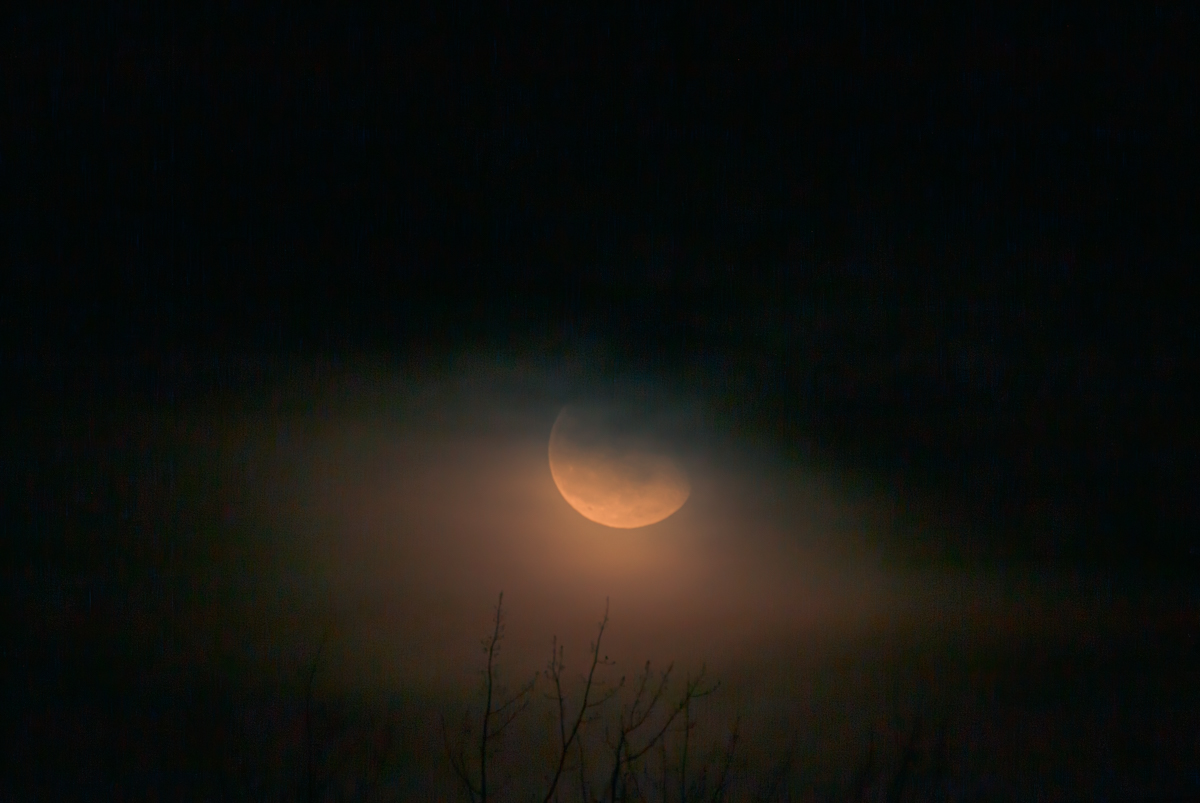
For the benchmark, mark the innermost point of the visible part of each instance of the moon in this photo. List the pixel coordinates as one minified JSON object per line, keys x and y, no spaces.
{"x":612,"y":473}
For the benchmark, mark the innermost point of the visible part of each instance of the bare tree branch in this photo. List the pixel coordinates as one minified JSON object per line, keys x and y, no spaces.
{"x":618,"y":765}
{"x":687,"y":731}
{"x":505,"y":712}
{"x":645,"y":722}
{"x":496,"y":718}
{"x":458,"y":764}
{"x":554,"y":672}
{"x":487,"y":705}
{"x":646,"y":702}
{"x":694,"y":690}
{"x":583,"y":790}
{"x":663,"y":759}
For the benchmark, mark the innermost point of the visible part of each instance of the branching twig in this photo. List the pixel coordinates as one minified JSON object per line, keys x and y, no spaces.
{"x":496,"y":717}
{"x":687,"y":732}
{"x":583,"y":790}
{"x":507,"y":711}
{"x":644,"y":723}
{"x":646,"y":701}
{"x":459,"y":764}
{"x":555,"y":673}
{"x":489,"y":681}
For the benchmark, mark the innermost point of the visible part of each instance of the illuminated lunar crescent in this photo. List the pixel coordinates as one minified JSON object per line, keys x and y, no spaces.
{"x":611,"y":478}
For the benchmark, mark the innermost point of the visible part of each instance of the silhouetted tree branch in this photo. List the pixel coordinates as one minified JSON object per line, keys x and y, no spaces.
{"x":458,"y":760}
{"x":722,"y":784}
{"x":639,"y":728}
{"x":555,"y":674}
{"x":647,"y":701}
{"x":496,"y":717}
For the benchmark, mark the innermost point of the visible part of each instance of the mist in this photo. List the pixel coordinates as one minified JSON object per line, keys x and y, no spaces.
{"x":339,"y":535}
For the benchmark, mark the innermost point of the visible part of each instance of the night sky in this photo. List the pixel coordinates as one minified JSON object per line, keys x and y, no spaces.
{"x":291,"y":299}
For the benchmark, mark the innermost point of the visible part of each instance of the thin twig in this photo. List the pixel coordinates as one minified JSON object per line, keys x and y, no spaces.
{"x":687,"y":730}
{"x":555,"y":673}
{"x":583,"y":790}
{"x":458,"y":763}
{"x":504,"y":713}
{"x":487,"y":705}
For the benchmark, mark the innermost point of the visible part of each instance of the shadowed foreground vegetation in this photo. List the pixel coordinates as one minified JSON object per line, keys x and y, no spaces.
{"x":594,"y":735}
{"x":1092,"y":720}
{"x":628,"y":739}
{"x":599,"y":735}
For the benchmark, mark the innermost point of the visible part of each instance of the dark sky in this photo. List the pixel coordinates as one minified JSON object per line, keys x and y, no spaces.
{"x":947,"y":250}
{"x":960,"y":242}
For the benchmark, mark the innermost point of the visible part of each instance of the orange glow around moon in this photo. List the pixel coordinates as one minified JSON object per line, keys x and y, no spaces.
{"x":614,"y":483}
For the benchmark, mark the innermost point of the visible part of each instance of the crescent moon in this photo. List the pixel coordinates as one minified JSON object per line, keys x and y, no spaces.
{"x":614,"y":483}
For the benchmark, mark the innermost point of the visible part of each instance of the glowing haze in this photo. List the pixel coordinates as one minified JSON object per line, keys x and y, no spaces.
{"x":404,"y":504}
{"x":387,"y":505}
{"x":393,"y":506}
